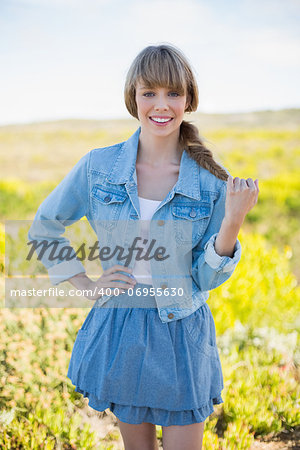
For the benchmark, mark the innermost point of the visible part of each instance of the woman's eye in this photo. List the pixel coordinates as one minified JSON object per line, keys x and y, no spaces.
{"x":151,"y":94}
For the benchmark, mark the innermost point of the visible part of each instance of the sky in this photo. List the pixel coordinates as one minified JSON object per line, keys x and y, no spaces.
{"x":68,"y":59}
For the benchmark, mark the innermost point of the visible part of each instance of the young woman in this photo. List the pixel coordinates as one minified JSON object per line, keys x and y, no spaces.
{"x":146,"y":351}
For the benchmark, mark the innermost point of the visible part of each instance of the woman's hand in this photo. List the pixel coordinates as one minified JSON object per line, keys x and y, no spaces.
{"x":241,"y":196}
{"x":106,"y":281}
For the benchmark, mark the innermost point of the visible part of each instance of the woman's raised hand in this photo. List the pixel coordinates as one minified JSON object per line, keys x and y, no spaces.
{"x":241,"y":197}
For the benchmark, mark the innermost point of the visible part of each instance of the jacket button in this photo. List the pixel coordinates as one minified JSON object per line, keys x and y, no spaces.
{"x":160,"y":222}
{"x":107,"y":199}
{"x":193,"y":213}
{"x":170,"y":315}
{"x":164,"y":286}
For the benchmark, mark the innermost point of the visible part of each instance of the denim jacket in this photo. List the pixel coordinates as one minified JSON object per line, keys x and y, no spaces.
{"x":102,"y":187}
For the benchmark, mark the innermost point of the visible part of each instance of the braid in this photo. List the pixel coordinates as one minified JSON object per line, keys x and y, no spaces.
{"x":190,"y":139}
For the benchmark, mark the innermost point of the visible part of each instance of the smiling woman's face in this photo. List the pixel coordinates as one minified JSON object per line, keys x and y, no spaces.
{"x":160,"y":110}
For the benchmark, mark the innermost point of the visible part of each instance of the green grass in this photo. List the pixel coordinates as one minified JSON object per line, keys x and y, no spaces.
{"x":257,"y":312}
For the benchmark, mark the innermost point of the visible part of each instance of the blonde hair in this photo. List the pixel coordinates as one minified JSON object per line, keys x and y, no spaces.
{"x":165,"y":66}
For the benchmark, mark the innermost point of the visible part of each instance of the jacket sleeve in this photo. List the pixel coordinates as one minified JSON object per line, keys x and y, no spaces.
{"x":210,"y":270}
{"x":65,"y":205}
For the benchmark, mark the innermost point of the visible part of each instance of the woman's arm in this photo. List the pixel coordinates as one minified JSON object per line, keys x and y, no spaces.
{"x":241,"y":196}
{"x":209,"y":268}
{"x":219,"y":251}
{"x":65,"y":205}
{"x":81,"y":281}
{"x":227,"y":236}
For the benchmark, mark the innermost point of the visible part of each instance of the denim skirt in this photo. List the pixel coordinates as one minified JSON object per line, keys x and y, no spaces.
{"x":144,"y":370}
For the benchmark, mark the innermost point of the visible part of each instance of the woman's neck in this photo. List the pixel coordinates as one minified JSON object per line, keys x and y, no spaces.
{"x":158,"y":151}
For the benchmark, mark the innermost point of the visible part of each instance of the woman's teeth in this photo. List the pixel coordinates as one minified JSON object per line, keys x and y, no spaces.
{"x":156,"y":119}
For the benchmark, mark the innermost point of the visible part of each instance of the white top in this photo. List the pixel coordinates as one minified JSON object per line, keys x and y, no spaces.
{"x":142,"y":269}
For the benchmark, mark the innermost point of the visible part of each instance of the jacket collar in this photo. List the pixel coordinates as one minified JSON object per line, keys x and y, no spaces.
{"x":124,"y":170}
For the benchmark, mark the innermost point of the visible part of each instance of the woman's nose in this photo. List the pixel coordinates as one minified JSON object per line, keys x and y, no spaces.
{"x":161,"y":103}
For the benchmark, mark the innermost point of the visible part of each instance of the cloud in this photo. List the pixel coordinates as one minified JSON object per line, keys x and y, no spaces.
{"x":86,"y":4}
{"x":273,"y":46}
{"x":169,"y":20}
{"x":76,"y":53}
{"x":272,"y":10}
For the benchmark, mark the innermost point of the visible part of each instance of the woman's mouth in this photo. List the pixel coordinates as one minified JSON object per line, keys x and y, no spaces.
{"x":161,"y":121}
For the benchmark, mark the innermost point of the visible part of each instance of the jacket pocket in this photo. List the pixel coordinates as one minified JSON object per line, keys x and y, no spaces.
{"x":200,"y":331}
{"x":106,"y":205}
{"x":190,"y":221}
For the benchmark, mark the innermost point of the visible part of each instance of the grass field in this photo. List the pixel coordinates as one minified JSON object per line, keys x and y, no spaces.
{"x":256,"y":312}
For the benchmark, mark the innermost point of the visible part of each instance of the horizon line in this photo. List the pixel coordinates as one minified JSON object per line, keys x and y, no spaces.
{"x":130,"y":118}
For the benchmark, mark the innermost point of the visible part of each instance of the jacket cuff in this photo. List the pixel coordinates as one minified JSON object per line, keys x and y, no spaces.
{"x":221,"y":263}
{"x":65,"y":270}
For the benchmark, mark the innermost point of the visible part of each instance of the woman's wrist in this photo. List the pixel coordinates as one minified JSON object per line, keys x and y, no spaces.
{"x":81,"y":281}
{"x":233,"y":223}
{"x":227,"y":236}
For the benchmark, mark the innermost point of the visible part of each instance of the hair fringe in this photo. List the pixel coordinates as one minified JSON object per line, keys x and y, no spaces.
{"x":190,"y":139}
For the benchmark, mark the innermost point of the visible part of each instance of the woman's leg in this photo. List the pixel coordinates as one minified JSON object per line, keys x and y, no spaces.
{"x":183,"y":437}
{"x":138,"y":436}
